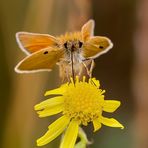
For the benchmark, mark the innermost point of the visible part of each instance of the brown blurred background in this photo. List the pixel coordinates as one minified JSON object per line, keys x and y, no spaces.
{"x":123,"y":71}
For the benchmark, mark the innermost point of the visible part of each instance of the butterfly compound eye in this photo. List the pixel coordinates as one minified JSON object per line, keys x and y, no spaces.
{"x":65,"y":45}
{"x":80,"y":44}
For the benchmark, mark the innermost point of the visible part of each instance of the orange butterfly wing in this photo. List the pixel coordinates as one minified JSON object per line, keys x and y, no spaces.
{"x":87,"y":30}
{"x":41,"y":60}
{"x":32,"y":42}
{"x":96,"y":46}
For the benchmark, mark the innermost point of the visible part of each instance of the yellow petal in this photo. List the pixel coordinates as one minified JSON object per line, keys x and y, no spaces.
{"x":110,"y":105}
{"x":55,"y":129}
{"x":49,"y":103}
{"x":70,"y":136}
{"x":50,"y":111}
{"x":111,"y":122}
{"x":97,"y":124}
{"x":57,"y":91}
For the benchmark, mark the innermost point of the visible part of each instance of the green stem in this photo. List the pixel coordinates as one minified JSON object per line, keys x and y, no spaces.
{"x":83,"y":139}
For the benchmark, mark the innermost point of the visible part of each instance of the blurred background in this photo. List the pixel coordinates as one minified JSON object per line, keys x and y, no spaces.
{"x":123,"y":71}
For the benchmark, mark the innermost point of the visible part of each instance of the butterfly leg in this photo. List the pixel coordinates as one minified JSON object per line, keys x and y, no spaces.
{"x":89,"y":65}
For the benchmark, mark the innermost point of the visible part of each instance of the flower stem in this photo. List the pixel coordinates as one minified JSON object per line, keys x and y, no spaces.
{"x":83,"y":139}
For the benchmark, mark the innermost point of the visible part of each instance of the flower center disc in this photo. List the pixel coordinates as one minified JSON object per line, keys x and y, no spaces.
{"x":82,"y":102}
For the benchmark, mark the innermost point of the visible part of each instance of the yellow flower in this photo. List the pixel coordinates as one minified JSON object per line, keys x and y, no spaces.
{"x":79,"y":103}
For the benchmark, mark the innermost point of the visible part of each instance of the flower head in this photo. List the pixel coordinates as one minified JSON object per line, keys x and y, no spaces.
{"x":79,"y":103}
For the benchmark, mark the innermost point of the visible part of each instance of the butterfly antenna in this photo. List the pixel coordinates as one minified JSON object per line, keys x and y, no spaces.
{"x":72,"y":67}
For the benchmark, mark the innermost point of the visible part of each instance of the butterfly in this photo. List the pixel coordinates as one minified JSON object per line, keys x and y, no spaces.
{"x":73,"y":52}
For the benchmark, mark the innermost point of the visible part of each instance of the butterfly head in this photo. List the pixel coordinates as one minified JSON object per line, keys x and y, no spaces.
{"x":72,"y":45}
